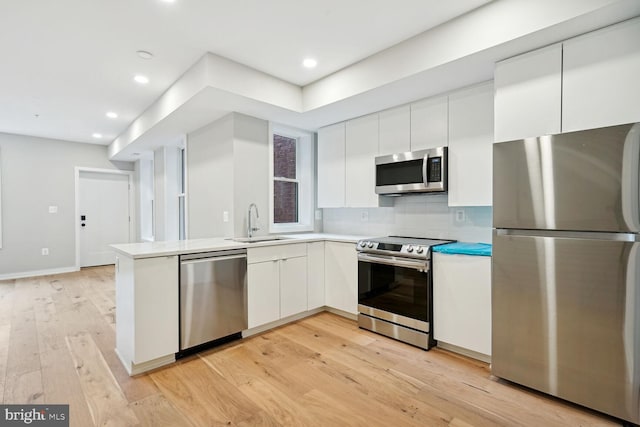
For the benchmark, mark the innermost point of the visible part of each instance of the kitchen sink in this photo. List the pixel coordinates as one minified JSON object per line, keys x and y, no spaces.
{"x":258,"y":239}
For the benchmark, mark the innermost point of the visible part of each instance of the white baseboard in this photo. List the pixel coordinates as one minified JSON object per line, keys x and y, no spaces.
{"x":259,"y":329}
{"x":135,"y":369}
{"x":36,"y":273}
{"x":465,"y":352}
{"x":341,"y":313}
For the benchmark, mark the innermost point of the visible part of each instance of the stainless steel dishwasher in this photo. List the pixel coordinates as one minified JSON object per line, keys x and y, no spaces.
{"x":213,"y":297}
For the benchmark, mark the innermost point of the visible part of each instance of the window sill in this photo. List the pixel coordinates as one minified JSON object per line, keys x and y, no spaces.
{"x":289,"y":228}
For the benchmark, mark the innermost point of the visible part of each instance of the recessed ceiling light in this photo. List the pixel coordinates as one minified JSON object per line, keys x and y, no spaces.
{"x":112,"y":115}
{"x":96,"y":135}
{"x":144,"y":54}
{"x":309,"y":63}
{"x":143,"y":80}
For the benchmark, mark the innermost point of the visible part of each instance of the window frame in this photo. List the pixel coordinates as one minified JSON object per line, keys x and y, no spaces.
{"x":304,"y":177}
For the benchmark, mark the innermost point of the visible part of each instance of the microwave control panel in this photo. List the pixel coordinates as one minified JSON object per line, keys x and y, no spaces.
{"x":434,"y":169}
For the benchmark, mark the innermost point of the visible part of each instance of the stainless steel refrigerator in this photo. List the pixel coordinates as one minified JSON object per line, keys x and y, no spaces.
{"x":566,"y":267}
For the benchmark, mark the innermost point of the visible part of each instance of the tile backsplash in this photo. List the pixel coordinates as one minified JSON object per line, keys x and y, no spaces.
{"x":415,"y":216}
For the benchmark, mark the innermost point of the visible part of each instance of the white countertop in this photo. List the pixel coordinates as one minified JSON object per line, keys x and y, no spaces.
{"x":179,"y":247}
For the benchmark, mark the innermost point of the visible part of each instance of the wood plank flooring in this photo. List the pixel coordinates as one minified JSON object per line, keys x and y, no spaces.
{"x":57,"y":344}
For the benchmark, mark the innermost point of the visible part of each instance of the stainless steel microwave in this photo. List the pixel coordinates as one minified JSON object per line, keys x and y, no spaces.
{"x":423,"y":171}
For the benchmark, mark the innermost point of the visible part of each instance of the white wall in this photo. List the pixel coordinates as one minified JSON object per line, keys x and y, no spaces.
{"x":158,"y":194}
{"x":38,"y":173}
{"x":210,"y":178}
{"x":414,"y":216}
{"x":165,"y":179}
{"x":144,"y":180}
{"x":251,"y":172}
{"x":228,"y":169}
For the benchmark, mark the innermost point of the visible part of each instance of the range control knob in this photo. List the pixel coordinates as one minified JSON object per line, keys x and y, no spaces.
{"x":420,"y":249}
{"x":362,"y":243}
{"x":409,"y":248}
{"x":369,"y":245}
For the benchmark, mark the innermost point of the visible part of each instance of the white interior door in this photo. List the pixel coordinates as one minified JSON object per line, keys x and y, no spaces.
{"x":104,"y":216}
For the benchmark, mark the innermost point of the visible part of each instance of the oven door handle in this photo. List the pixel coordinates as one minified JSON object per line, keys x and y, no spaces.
{"x":421,"y":266}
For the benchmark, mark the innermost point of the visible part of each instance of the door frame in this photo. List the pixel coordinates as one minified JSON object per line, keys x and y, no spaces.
{"x":132,"y":206}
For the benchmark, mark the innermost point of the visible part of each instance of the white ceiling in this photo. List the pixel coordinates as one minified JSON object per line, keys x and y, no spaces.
{"x":65,"y":63}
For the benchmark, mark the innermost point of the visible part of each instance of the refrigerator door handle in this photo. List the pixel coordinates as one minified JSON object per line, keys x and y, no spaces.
{"x":593,"y":235}
{"x":631,"y":178}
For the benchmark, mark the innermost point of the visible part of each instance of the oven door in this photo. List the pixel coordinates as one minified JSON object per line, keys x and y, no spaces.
{"x":395,"y":289}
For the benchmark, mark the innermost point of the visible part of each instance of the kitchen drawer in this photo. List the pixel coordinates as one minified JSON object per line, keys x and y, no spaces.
{"x":276,"y":252}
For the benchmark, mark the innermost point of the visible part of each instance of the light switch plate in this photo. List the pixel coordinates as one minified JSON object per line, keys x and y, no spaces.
{"x":45,"y":251}
{"x":225,"y":216}
{"x":460,"y":215}
{"x":318,"y":214}
{"x":53,"y":209}
{"x":364,"y":216}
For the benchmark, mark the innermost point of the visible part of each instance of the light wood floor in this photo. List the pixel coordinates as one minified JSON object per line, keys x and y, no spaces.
{"x":57,"y":344}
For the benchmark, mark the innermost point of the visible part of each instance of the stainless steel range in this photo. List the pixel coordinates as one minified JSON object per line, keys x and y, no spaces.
{"x":395,"y":288}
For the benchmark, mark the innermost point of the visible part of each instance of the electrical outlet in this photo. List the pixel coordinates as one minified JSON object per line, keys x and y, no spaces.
{"x":318,"y":214}
{"x":225,"y":216}
{"x":45,"y":251}
{"x":460,"y":216}
{"x":364,"y":216}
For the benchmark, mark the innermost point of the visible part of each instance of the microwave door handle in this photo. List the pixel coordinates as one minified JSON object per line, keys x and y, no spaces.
{"x":425,"y":162}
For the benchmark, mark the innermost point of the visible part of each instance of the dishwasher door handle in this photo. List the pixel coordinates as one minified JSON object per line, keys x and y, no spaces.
{"x":212,"y":259}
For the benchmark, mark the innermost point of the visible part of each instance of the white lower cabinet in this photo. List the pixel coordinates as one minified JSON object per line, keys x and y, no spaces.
{"x":462,"y":301}
{"x":341,"y":276}
{"x":263,"y":294}
{"x":293,"y":286}
{"x":277,"y":282}
{"x":315,"y":275}
{"x":146,"y":311}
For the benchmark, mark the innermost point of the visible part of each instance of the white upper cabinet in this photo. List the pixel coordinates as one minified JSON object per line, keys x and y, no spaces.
{"x":601,"y":80}
{"x":429,"y":121}
{"x":527,"y":94}
{"x":331,"y":166}
{"x":471,"y":146}
{"x":361,"y":150}
{"x":395,"y":125}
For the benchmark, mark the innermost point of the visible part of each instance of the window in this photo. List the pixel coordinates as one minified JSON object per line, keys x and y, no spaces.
{"x":285,"y":181}
{"x":292,"y":198}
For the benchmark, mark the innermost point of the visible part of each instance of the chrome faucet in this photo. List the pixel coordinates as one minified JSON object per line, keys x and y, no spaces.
{"x":250,"y":227}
